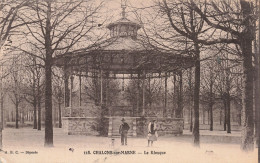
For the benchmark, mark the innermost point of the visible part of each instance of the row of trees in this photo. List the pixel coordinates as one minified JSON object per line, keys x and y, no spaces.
{"x":194,"y":27}
{"x":52,"y":28}
{"x":221,"y":80}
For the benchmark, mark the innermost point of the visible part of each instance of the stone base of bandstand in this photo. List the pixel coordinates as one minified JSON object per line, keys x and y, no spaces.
{"x":165,"y":126}
{"x":82,"y":125}
{"x":138,"y":126}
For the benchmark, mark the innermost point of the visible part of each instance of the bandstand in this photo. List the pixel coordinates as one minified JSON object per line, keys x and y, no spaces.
{"x":123,"y":57}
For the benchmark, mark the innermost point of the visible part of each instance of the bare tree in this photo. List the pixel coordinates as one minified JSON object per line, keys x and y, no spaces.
{"x":154,"y":92}
{"x":208,"y":87}
{"x":58,"y":92}
{"x":9,"y":14}
{"x":16,"y":86}
{"x":5,"y":72}
{"x":237,"y":18}
{"x":33,"y":92}
{"x":185,"y":29}
{"x":30,"y":95}
{"x":190,"y":96}
{"x":226,"y":68}
{"x":209,"y":23}
{"x":8,"y":17}
{"x":58,"y":27}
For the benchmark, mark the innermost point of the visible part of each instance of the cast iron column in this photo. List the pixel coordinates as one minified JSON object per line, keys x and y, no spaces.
{"x":165,"y":96}
{"x":80,"y":90}
{"x":71,"y":93}
{"x":144,"y":75}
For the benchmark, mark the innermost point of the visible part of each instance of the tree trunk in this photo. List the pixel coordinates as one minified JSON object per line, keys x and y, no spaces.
{"x":48,"y":85}
{"x":1,"y":138}
{"x":257,"y":103}
{"x":179,"y":109}
{"x":257,"y":84}
{"x":38,"y":101}
{"x":22,"y":116}
{"x":211,"y":99}
{"x":138,"y":96}
{"x":60,"y":124}
{"x":2,"y":111}
{"x":54,"y":117}
{"x":2,"y":122}
{"x":17,"y":115}
{"x":225,"y":114}
{"x":191,"y":121}
{"x":149,"y":88}
{"x":174,"y":95}
{"x":80,"y":98}
{"x":106,"y":90}
{"x":165,"y":94}
{"x":220,"y":116}
{"x":143,"y":92}
{"x":228,"y":113}
{"x":247,"y":100}
{"x":96,"y":80}
{"x":34,"y":113}
{"x":12,"y":115}
{"x":66,"y":87}
{"x":39,"y":114}
{"x":34,"y":99}
{"x":190,"y":101}
{"x":239,"y":118}
{"x":48,"y":106}
{"x":247,"y":97}
{"x":208,"y":116}
{"x":211,"y":116}
{"x":196,"y":133}
{"x":203,"y":115}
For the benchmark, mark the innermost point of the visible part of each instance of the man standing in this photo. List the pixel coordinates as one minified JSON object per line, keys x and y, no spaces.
{"x":123,"y":129}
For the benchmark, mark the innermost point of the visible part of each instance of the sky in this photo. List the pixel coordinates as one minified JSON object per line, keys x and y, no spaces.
{"x":113,"y":7}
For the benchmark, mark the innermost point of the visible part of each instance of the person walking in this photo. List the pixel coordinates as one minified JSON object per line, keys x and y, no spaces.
{"x":123,"y":129}
{"x":152,"y":132}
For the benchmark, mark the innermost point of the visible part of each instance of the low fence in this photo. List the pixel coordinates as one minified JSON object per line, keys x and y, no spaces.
{"x":217,"y":127}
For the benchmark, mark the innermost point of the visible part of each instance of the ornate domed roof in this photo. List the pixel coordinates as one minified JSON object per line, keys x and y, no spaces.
{"x":124,"y":53}
{"x":123,"y":21}
{"x":122,"y":43}
{"x":123,"y":27}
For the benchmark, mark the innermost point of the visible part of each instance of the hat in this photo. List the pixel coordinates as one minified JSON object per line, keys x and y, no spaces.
{"x":122,"y":119}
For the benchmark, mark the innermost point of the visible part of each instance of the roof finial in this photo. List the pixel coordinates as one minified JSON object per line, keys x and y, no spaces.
{"x":123,"y":5}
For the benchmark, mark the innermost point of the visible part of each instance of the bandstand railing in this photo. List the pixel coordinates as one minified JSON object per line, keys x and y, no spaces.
{"x":81,"y":111}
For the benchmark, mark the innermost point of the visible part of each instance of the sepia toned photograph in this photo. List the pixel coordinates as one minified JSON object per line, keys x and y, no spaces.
{"x":129,"y":81}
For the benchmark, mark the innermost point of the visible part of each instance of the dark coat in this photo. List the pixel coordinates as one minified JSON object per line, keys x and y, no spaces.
{"x":124,"y":128}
